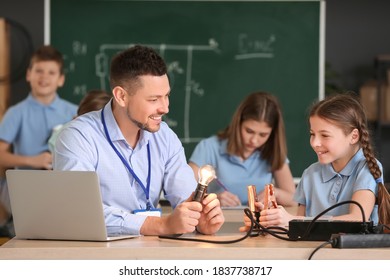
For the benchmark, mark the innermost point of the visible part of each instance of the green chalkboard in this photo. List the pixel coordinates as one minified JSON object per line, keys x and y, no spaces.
{"x":217,"y":52}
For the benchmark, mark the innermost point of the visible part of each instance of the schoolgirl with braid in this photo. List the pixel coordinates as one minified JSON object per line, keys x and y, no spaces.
{"x":346,"y":169}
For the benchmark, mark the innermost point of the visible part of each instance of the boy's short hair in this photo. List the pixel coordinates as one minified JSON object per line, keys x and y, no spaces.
{"x":47,"y":53}
{"x":131,"y":63}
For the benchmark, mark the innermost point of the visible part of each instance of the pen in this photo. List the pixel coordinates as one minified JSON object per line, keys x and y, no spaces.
{"x":221,"y":184}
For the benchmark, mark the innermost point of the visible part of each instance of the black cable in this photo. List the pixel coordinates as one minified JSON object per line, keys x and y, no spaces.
{"x":246,"y":211}
{"x":319,"y":247}
{"x":274,"y":230}
{"x":308,"y":229}
{"x":311,"y":224}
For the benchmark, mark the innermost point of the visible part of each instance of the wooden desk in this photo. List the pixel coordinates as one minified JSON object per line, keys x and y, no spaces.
{"x":152,"y":247}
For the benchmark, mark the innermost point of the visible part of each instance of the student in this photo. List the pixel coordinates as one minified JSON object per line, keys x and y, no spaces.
{"x":26,"y":126}
{"x":252,"y":150}
{"x":346,"y":167}
{"x":136,"y":155}
{"x":94,"y":100}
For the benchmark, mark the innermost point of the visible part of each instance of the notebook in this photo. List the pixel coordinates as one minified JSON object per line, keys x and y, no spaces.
{"x":57,"y":205}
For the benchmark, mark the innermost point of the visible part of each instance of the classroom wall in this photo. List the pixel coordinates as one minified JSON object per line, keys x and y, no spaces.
{"x":28,"y":13}
{"x":356,"y":31}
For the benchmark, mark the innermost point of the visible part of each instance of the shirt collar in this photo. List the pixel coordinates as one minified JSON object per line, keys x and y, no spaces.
{"x":55,"y":104}
{"x":114,"y":130}
{"x":328,"y":172}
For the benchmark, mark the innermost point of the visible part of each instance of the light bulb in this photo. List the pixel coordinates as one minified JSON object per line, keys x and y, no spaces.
{"x":205,"y":175}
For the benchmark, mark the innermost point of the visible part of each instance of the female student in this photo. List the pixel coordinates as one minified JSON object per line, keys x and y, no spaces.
{"x":346,"y":167}
{"x":252,"y":150}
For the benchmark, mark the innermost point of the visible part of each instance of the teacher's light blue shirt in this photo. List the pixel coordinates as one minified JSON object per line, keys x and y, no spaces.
{"x":234,"y":173}
{"x":82,"y":145}
{"x":321,"y":187}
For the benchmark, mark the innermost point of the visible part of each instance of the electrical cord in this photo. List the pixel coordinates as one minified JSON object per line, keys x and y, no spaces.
{"x":319,"y":247}
{"x":332,"y":241}
{"x":311,"y":224}
{"x":176,"y":237}
{"x":309,"y":228}
{"x":279,"y":231}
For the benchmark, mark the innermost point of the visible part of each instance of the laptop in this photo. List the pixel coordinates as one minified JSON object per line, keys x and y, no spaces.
{"x":57,"y":205}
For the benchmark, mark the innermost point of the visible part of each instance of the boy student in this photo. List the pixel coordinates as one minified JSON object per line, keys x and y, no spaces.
{"x":136,"y":154}
{"x":27,"y":126}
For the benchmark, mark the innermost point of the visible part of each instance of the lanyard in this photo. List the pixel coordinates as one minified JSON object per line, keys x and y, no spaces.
{"x":145,"y":189}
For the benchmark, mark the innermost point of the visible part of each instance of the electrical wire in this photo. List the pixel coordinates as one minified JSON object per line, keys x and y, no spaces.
{"x":275,"y":230}
{"x":319,"y":247}
{"x":309,"y":228}
{"x":248,"y":234}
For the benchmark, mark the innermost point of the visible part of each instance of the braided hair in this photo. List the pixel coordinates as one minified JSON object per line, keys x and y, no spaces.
{"x":347,"y":112}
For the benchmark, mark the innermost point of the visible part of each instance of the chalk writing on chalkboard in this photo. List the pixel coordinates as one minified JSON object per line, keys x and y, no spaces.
{"x":274,"y":46}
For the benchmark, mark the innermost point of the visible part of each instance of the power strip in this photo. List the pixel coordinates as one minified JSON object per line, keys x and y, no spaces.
{"x":360,"y":240}
{"x":322,"y":230}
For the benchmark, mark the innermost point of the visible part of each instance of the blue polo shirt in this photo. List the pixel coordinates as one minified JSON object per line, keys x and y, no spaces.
{"x":321,"y":187}
{"x":234,"y":173}
{"x":29,"y":124}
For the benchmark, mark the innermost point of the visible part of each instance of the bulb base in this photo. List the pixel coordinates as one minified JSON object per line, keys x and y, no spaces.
{"x":200,"y":192}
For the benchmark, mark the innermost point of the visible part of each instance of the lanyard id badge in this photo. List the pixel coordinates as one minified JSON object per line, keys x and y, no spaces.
{"x":149,"y":206}
{"x":156,"y":212}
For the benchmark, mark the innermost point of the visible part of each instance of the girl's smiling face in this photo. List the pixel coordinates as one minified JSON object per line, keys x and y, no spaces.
{"x":331,"y":143}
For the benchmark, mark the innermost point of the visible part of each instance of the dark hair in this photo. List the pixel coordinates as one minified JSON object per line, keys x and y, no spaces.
{"x":92,"y":101}
{"x":261,"y":107}
{"x":47,"y":53}
{"x":345,"y":111}
{"x":136,"y":61}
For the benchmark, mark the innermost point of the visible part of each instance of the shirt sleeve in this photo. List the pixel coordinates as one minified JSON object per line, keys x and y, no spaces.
{"x":201,"y":154}
{"x":299,"y":195}
{"x":73,"y":151}
{"x":10,"y":125}
{"x":120,"y":222}
{"x":364,"y":179}
{"x":179,"y":179}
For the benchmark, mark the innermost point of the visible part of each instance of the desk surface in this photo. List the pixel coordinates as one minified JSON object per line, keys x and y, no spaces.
{"x":153,"y":247}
